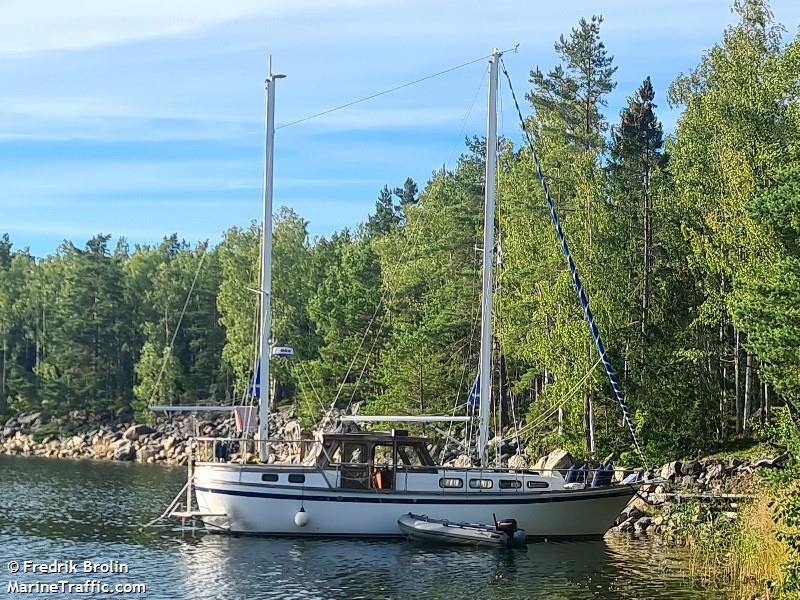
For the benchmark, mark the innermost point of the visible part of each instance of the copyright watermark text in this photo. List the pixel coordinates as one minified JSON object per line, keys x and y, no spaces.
{"x":77,"y":577}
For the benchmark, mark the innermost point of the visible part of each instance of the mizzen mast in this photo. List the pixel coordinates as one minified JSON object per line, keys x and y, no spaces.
{"x":265,"y":314}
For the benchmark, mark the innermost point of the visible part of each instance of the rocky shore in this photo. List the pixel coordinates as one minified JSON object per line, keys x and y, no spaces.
{"x":166,"y":441}
{"x":711,"y":490}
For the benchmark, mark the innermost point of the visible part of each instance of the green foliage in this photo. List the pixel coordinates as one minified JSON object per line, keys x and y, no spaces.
{"x":237,"y":301}
{"x":179,"y":359}
{"x":82,"y":362}
{"x":785,"y":434}
{"x":346,"y":310}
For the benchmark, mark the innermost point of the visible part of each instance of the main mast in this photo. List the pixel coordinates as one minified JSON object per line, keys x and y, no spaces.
{"x":488,"y":262}
{"x":266,"y":270}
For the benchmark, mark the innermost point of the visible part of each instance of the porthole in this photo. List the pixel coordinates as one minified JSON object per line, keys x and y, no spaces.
{"x":269,"y":477}
{"x":451,"y":482}
{"x":297,"y":478}
{"x":510,"y":484}
{"x":480,"y":484}
{"x":537,"y":484}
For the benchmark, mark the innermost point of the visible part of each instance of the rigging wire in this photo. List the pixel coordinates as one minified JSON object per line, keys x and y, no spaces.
{"x":387,"y":91}
{"x":408,"y":241}
{"x":403,"y":252}
{"x":466,"y":117}
{"x":366,"y":333}
{"x":168,"y":349}
{"x":553,"y":409}
{"x":303,"y":389}
{"x":311,"y":383}
{"x":576,"y":280}
{"x":475,"y":320}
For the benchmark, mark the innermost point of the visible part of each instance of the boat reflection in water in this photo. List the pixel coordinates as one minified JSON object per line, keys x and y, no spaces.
{"x":252,"y":567}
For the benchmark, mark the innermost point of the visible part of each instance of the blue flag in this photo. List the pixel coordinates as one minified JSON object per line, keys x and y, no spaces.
{"x":255,"y":383}
{"x":474,"y":398}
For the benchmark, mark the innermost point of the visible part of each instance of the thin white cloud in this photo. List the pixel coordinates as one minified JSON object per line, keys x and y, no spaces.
{"x":30,"y":26}
{"x":60,"y":179}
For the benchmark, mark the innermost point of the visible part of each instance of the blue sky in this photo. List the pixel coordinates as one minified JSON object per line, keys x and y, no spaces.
{"x":139,"y":118}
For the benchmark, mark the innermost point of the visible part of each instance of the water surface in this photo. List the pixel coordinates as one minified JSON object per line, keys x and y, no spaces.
{"x":86,"y":510}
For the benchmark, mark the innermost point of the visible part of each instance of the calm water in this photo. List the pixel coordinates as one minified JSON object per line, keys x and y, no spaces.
{"x":83,"y":510}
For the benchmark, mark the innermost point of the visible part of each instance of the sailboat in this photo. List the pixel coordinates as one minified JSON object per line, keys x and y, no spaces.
{"x":360,"y":484}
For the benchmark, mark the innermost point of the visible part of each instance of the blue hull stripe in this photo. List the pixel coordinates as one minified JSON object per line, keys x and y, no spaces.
{"x":544,"y":499}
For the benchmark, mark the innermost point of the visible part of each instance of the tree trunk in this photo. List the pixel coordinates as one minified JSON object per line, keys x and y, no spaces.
{"x":505,"y":395}
{"x":738,"y":403}
{"x":723,"y":387}
{"x":3,"y":378}
{"x":646,"y":254}
{"x":588,"y":420}
{"x":748,"y":374}
{"x":422,"y":396}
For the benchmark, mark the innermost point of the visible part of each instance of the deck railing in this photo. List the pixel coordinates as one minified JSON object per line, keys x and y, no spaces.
{"x":243,"y":450}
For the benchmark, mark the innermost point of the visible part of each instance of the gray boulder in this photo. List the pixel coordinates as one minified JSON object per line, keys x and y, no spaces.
{"x":558,"y":460}
{"x":146,"y":452}
{"x":631,"y":511}
{"x":642,"y":524}
{"x":134,"y":431}
{"x":626,"y":525}
{"x":124,"y":452}
{"x":691,"y":467}
{"x":27,"y":420}
{"x":671,"y":470}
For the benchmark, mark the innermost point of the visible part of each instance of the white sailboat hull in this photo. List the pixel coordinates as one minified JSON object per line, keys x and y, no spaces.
{"x":254,"y":508}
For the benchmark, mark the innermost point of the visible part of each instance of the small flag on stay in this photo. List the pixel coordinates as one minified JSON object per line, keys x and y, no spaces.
{"x":255,"y":383}
{"x":474,"y":398}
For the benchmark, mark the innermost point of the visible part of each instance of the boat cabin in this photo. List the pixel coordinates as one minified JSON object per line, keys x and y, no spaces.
{"x":374,"y":460}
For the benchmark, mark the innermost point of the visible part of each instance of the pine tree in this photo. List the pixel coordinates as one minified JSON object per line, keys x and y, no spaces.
{"x":408,"y":197}
{"x":386,"y":217}
{"x":79,"y":367}
{"x":572,"y":94}
{"x":636,"y":155}
{"x":570,"y":142}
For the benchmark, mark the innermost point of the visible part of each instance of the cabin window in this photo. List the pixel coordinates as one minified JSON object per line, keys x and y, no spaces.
{"x":269,"y":477}
{"x":451,"y":482}
{"x":481,"y":484}
{"x":510,"y":484}
{"x":382,"y":455}
{"x":297,"y":478}
{"x":354,"y":453}
{"x":410,"y":456}
{"x":538,"y":484}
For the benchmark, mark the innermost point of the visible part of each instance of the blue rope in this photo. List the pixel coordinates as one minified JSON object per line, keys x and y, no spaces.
{"x":587,"y":311}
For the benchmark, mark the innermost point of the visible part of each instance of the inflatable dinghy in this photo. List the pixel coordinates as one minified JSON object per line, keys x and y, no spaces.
{"x":505,"y":533}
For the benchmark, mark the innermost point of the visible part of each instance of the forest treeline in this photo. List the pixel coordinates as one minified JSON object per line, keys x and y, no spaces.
{"x":688,"y":245}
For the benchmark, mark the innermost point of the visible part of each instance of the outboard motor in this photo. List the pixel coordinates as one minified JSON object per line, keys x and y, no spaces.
{"x":512,"y":535}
